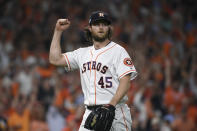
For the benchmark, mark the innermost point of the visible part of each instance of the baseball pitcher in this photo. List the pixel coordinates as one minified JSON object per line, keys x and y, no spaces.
{"x":105,"y":71}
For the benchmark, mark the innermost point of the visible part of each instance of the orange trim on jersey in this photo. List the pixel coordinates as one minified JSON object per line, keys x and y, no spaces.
{"x":95,"y":70}
{"x":104,"y":51}
{"x":67,"y":61}
{"x":91,"y":62}
{"x":124,"y":119}
{"x":95,"y":86}
{"x":126,"y":73}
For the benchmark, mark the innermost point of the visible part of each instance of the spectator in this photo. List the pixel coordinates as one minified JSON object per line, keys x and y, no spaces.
{"x":55,"y":119}
{"x":20,"y":119}
{"x":38,"y":122}
{"x":162,"y":37}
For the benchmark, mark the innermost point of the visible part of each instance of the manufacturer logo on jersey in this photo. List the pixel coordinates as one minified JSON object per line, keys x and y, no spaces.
{"x":128,"y":62}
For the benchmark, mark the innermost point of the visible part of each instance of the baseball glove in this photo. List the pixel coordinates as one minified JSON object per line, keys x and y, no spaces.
{"x":101,"y":118}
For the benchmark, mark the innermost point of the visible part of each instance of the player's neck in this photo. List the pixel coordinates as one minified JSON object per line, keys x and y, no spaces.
{"x":99,"y":45}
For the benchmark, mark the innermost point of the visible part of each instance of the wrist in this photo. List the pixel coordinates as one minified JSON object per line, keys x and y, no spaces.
{"x":114,"y":103}
{"x":58,"y":31}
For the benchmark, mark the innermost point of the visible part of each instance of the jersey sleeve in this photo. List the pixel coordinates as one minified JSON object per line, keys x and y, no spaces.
{"x":72,"y":60}
{"x":125,"y":65}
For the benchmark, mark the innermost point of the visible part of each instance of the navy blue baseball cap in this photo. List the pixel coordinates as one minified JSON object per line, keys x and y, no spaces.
{"x":98,"y":16}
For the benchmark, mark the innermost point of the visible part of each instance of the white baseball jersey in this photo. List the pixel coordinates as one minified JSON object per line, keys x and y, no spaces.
{"x":100,"y":71}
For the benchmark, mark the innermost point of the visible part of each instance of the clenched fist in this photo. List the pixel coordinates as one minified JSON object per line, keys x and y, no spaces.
{"x":62,"y":24}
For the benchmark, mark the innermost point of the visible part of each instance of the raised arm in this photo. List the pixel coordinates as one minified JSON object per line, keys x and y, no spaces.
{"x":55,"y":54}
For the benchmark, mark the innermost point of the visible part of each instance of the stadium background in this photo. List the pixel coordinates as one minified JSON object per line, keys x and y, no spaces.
{"x":160,"y":35}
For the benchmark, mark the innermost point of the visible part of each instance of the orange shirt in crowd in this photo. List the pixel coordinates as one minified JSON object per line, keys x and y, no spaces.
{"x":23,"y":121}
{"x":67,"y":129}
{"x":192,"y":113}
{"x":173,"y":98}
{"x":166,"y":48}
{"x":38,"y":126}
{"x":15,"y":88}
{"x":45,"y":72}
{"x":64,"y":96}
{"x":157,"y":59}
{"x":183,"y":124}
{"x":72,"y":125}
{"x":190,"y":39}
{"x":61,"y":96}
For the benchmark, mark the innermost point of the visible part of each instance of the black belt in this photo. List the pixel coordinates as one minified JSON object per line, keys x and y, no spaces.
{"x":93,"y":107}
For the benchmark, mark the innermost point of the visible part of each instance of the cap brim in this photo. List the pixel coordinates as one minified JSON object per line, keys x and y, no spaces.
{"x":101,"y":19}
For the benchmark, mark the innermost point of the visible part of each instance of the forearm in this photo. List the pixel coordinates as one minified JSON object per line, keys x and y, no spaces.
{"x":55,"y":55}
{"x":55,"y":49}
{"x":122,"y":90}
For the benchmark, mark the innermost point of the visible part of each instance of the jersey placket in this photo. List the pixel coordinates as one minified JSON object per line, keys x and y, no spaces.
{"x":92,"y":79}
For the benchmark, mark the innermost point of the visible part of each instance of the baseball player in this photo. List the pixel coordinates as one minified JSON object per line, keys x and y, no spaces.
{"x":105,"y":71}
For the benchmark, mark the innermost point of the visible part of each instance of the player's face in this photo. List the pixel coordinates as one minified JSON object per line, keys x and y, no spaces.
{"x":100,"y":31}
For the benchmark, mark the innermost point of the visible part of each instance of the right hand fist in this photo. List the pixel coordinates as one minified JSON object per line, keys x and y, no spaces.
{"x":62,"y":24}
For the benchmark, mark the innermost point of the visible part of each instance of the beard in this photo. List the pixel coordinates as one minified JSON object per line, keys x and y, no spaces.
{"x":98,"y":38}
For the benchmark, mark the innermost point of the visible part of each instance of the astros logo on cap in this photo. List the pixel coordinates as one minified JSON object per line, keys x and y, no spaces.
{"x":101,"y":14}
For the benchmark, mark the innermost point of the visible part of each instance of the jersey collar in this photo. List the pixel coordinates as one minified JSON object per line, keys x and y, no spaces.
{"x":104,"y":48}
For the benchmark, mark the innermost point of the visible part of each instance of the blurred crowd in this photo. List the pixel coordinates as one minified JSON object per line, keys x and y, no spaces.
{"x":160,"y":35}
